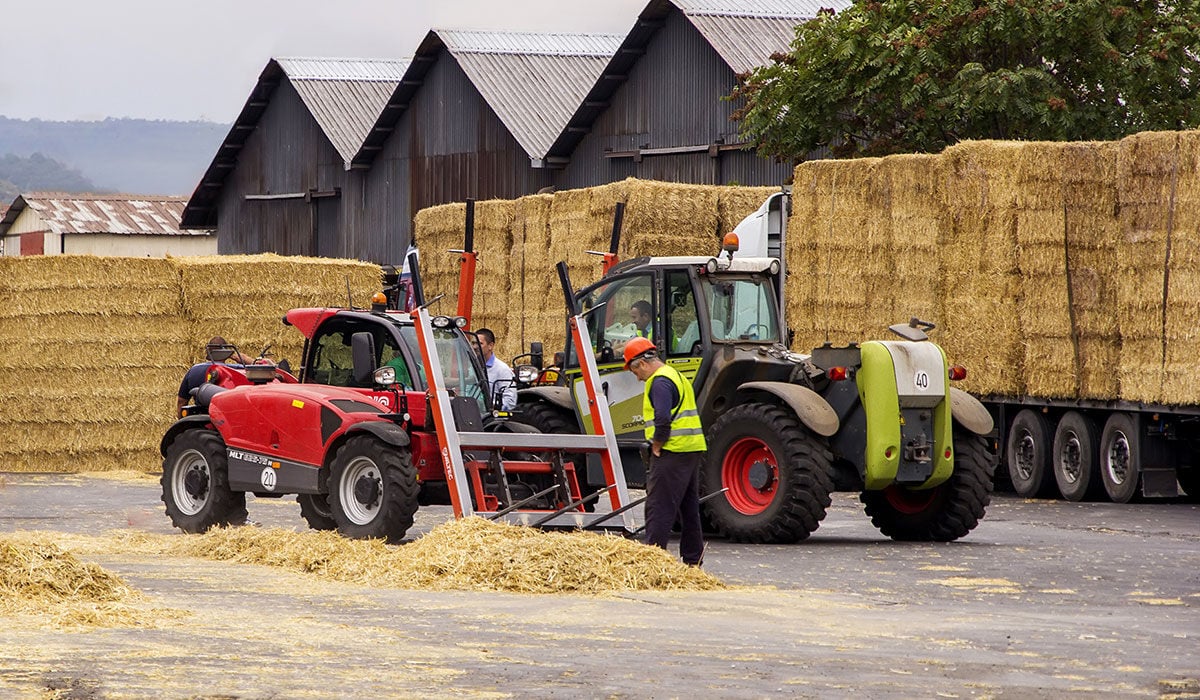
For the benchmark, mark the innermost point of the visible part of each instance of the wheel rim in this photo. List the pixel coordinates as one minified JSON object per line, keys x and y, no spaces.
{"x":1070,"y":464}
{"x":751,"y":473}
{"x":1024,"y":454}
{"x":191,"y":482}
{"x":1116,"y":458}
{"x":361,"y":491}
{"x":909,"y":502}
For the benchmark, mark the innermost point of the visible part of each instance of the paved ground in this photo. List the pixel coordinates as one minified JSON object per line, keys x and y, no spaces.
{"x":1044,"y":599}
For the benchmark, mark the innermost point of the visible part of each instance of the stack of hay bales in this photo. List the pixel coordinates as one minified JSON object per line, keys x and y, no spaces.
{"x":243,"y":298}
{"x":1181,"y":364}
{"x":980,"y":276}
{"x":517,"y":290}
{"x":442,"y":229}
{"x":91,"y":354}
{"x":1148,"y":172}
{"x":92,"y":349}
{"x":838,"y":252}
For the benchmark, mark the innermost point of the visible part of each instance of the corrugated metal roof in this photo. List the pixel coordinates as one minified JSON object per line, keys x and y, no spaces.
{"x":534,"y":82}
{"x":745,"y":33}
{"x":459,"y":41}
{"x":759,"y":8}
{"x":345,"y":95}
{"x":128,"y":214}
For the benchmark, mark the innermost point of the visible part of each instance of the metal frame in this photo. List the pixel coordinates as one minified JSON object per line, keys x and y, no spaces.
{"x":452,"y":443}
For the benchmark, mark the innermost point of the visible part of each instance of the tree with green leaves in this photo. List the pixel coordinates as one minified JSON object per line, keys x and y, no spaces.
{"x":915,"y":76}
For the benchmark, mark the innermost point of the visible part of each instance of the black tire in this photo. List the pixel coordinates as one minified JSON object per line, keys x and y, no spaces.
{"x":1189,"y":479}
{"x":553,"y":420}
{"x":945,"y":512}
{"x":195,"y":483}
{"x":777,"y":471}
{"x":1120,"y":458}
{"x":372,"y":489}
{"x":1074,"y":458}
{"x":1027,"y":455}
{"x":314,"y":508}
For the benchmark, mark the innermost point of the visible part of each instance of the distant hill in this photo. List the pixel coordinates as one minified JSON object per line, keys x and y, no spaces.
{"x":137,"y":156}
{"x":37,"y":172}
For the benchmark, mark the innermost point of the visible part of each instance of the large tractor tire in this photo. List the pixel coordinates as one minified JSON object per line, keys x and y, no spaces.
{"x":314,"y":508}
{"x":373,"y":489}
{"x":778,"y":474}
{"x":1075,"y":457}
{"x":552,"y":420}
{"x":195,"y":483}
{"x":945,"y":512}
{"x":1027,"y":455}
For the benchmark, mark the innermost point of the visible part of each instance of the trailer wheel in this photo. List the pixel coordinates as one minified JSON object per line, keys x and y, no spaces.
{"x":1120,"y":464}
{"x":555,"y":421}
{"x":1027,"y":455}
{"x":372,"y":489}
{"x":945,"y":512}
{"x":1075,"y":450}
{"x":314,"y":508}
{"x":195,"y":483}
{"x":778,"y":474}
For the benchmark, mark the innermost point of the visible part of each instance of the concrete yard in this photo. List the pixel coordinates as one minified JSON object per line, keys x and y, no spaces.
{"x":1043,"y":599}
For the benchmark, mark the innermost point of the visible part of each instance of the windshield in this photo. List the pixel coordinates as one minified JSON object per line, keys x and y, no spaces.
{"x":741,"y":309}
{"x":462,"y":370}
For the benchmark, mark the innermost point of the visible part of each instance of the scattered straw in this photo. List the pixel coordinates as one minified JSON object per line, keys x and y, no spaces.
{"x":471,"y":554}
{"x":39,"y":578}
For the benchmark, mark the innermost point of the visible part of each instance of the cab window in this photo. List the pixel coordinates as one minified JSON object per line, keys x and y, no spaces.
{"x":742,"y":309}
{"x":629,"y":312}
{"x":682,"y":327}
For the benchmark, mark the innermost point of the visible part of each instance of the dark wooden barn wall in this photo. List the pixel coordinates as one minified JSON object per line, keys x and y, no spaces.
{"x":672,"y":98}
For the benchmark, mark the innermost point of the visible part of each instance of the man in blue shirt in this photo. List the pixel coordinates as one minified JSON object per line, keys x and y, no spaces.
{"x":500,"y":376}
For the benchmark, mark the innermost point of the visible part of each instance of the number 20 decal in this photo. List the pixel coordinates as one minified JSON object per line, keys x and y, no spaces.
{"x":921,"y":380}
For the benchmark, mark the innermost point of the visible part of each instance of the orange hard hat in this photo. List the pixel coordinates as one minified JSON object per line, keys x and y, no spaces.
{"x":635,"y":347}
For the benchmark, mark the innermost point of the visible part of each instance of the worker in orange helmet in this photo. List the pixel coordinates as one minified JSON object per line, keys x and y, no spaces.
{"x":677,"y":448}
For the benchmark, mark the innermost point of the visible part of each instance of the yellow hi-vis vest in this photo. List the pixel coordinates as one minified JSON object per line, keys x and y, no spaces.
{"x":687,"y":435}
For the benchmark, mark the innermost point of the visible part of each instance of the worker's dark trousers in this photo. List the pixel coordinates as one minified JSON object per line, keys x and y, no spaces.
{"x":673,"y":490}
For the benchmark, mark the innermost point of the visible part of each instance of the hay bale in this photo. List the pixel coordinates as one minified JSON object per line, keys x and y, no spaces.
{"x":469,"y":554}
{"x":1147,"y":172}
{"x":538,"y":312}
{"x":917,"y":220}
{"x":736,"y":203}
{"x":244,"y":297}
{"x":980,"y":276}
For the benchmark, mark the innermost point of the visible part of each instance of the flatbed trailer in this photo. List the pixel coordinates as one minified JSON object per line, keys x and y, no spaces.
{"x":1095,"y":449}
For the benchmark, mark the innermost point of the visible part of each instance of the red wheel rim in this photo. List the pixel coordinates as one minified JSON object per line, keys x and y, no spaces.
{"x":751,"y":473}
{"x":910,"y":502}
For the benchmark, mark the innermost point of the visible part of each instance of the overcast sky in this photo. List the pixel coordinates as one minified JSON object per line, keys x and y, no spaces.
{"x":181,"y":59}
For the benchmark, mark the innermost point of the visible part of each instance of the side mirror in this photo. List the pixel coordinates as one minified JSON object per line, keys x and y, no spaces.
{"x":362,"y":349}
{"x":536,"y":357}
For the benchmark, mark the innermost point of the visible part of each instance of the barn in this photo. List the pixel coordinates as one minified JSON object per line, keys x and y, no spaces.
{"x":56,"y":223}
{"x":658,"y":111}
{"x":282,"y":181}
{"x":475,"y":115}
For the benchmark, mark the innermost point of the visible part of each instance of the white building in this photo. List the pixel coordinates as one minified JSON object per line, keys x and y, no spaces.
{"x":54,"y":223}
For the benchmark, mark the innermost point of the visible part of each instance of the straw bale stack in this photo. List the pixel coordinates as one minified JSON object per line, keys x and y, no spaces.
{"x":839,"y":237}
{"x":243,"y":297}
{"x":1148,"y":175}
{"x":981,"y":281}
{"x":1092,"y":231}
{"x":91,"y":351}
{"x":1181,"y":366}
{"x":437,"y":230}
{"x":537,"y":312}
{"x":917,"y":221}
{"x":663,"y":218}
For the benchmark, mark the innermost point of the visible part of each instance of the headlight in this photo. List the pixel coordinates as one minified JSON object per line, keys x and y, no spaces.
{"x":711,"y":265}
{"x":460,"y":321}
{"x":385,"y":376}
{"x":440,"y":322}
{"x":527,"y":374}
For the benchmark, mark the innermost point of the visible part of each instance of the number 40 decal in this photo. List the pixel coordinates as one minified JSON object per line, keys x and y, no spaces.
{"x":921,"y":380}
